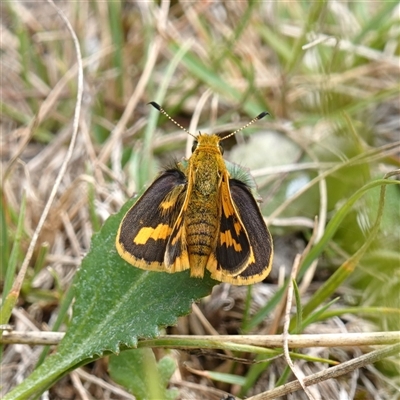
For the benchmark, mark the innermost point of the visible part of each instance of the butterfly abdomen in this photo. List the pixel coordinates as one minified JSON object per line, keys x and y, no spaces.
{"x":201,"y":228}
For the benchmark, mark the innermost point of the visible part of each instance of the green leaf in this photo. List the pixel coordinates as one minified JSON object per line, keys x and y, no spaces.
{"x":115,"y":305}
{"x":138,"y":371}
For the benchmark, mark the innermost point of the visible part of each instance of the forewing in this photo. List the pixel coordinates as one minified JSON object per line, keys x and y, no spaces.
{"x":146,"y":228}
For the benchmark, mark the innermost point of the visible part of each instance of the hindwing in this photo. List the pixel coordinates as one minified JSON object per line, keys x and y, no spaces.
{"x":246,"y":257}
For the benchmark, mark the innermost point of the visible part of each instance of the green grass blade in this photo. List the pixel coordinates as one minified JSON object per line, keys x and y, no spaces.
{"x":4,"y":242}
{"x":347,"y":268}
{"x":334,"y":223}
{"x":13,"y":260}
{"x":299,"y":309}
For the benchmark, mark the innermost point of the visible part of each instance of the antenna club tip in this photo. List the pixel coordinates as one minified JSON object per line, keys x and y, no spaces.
{"x":262,"y":115}
{"x":155,"y":105}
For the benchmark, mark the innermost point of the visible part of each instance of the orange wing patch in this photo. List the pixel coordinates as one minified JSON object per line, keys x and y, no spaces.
{"x":160,"y":232}
{"x":227,"y":240}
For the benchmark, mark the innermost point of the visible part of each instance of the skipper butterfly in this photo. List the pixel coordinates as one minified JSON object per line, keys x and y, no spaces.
{"x":201,"y":214}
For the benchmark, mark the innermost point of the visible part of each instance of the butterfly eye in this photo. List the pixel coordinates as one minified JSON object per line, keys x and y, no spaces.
{"x":221,"y":149}
{"x":194,"y":147}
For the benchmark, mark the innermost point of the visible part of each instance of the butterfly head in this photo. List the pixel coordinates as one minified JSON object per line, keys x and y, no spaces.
{"x":204,"y":141}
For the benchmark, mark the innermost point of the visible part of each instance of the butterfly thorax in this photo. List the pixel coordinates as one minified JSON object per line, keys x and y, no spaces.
{"x":202,"y":217}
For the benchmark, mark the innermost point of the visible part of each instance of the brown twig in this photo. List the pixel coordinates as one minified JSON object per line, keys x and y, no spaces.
{"x":330,"y":373}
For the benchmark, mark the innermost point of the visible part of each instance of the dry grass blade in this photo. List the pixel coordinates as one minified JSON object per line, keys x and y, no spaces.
{"x":289,"y":299}
{"x":14,"y":293}
{"x":331,"y":373}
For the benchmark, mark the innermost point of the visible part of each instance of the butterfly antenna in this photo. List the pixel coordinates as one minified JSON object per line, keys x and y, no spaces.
{"x":162,"y":111}
{"x":259,"y":116}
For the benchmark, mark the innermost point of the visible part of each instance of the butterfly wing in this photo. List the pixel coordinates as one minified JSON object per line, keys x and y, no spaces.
{"x":259,"y":265}
{"x":251,"y":233}
{"x":176,"y":254}
{"x":146,"y":228}
{"x":232,"y":250}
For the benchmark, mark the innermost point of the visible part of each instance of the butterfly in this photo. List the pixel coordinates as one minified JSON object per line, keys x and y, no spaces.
{"x":200,"y":214}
